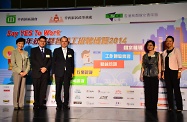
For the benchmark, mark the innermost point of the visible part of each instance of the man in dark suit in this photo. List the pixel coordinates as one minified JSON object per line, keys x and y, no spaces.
{"x":41,"y":63}
{"x":63,"y":70}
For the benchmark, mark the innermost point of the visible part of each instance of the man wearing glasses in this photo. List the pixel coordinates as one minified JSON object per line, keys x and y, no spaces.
{"x":41,"y":63}
{"x":63,"y":70}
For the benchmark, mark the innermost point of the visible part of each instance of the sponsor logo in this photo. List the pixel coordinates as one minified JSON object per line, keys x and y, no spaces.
{"x":28,"y":19}
{"x":118,"y":92}
{"x":141,"y":15}
{"x":11,"y":19}
{"x":89,"y":103}
{"x":117,"y":97}
{"x":6,"y":95}
{"x":77,"y":97}
{"x":99,"y":91}
{"x":114,"y":16}
{"x":142,"y":98}
{"x":77,"y":102}
{"x":77,"y":17}
{"x":6,"y":90}
{"x":103,"y":97}
{"x":130,"y":104}
{"x":161,"y":105}
{"x":90,"y":97}
{"x":56,"y":19}
{"x":103,"y":103}
{"x":5,"y":86}
{"x":130,"y":92}
{"x":6,"y":101}
{"x":89,"y":91}
{"x":130,"y":98}
{"x":77,"y":91}
{"x":142,"y":104}
{"x":117,"y":103}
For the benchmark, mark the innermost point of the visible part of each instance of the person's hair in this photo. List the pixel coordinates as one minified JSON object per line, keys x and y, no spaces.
{"x":42,"y":37}
{"x":171,"y":37}
{"x":64,"y":37}
{"x":20,"y":40}
{"x":85,"y":52}
{"x":146,"y":44}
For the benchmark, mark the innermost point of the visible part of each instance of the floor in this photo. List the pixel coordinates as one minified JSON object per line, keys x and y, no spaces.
{"x":77,"y":114}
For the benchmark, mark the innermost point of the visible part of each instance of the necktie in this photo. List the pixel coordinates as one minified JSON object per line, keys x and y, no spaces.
{"x":64,"y":52}
{"x":42,"y":50}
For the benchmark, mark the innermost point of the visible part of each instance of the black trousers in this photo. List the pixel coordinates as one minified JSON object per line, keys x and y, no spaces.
{"x":151,"y":92}
{"x":65,"y":79}
{"x":173,"y":86}
{"x":40,"y":88}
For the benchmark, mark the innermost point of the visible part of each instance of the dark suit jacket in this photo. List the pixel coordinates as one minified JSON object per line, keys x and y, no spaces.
{"x":37,"y":62}
{"x":59,"y":62}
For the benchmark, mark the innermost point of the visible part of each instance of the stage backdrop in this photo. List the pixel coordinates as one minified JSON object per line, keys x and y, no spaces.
{"x":108,"y":44}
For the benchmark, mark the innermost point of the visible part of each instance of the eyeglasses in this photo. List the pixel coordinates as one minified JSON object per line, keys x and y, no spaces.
{"x":64,"y":41}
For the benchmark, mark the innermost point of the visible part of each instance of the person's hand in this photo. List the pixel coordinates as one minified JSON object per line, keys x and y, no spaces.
{"x":159,"y":76}
{"x":163,"y":75}
{"x":72,"y":76}
{"x":23,"y":74}
{"x":53,"y":77}
{"x":179,"y":75}
{"x":141,"y":78}
{"x":43,"y":69}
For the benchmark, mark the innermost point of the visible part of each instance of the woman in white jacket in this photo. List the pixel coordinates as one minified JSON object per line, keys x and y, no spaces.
{"x":172,"y":66}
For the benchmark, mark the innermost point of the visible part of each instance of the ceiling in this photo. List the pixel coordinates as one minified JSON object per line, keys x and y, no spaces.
{"x":82,"y":3}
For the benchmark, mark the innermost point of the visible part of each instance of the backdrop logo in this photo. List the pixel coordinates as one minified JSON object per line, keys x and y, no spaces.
{"x":11,"y":19}
{"x":56,"y":19}
{"x":114,"y":16}
{"x":6,"y":101}
{"x":103,"y":97}
{"x":77,"y":17}
{"x":28,"y":19}
{"x":77,"y":102}
{"x":89,"y":103}
{"x":117,"y":97}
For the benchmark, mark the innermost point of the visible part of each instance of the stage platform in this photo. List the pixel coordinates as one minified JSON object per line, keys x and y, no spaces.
{"x":77,"y":114}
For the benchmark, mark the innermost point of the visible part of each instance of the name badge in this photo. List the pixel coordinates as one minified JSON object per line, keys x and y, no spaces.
{"x":47,"y":56}
{"x":69,"y":56}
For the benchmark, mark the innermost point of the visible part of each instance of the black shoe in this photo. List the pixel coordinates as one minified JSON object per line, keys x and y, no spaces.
{"x":43,"y":107}
{"x":16,"y":108}
{"x":179,"y":111}
{"x":21,"y":108}
{"x":66,"y":107}
{"x":35,"y":107}
{"x":59,"y":108}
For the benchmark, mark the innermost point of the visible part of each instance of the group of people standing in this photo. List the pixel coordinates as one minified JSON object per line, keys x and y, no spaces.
{"x":40,"y":63}
{"x":154,"y":67}
{"x":167,"y":66}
